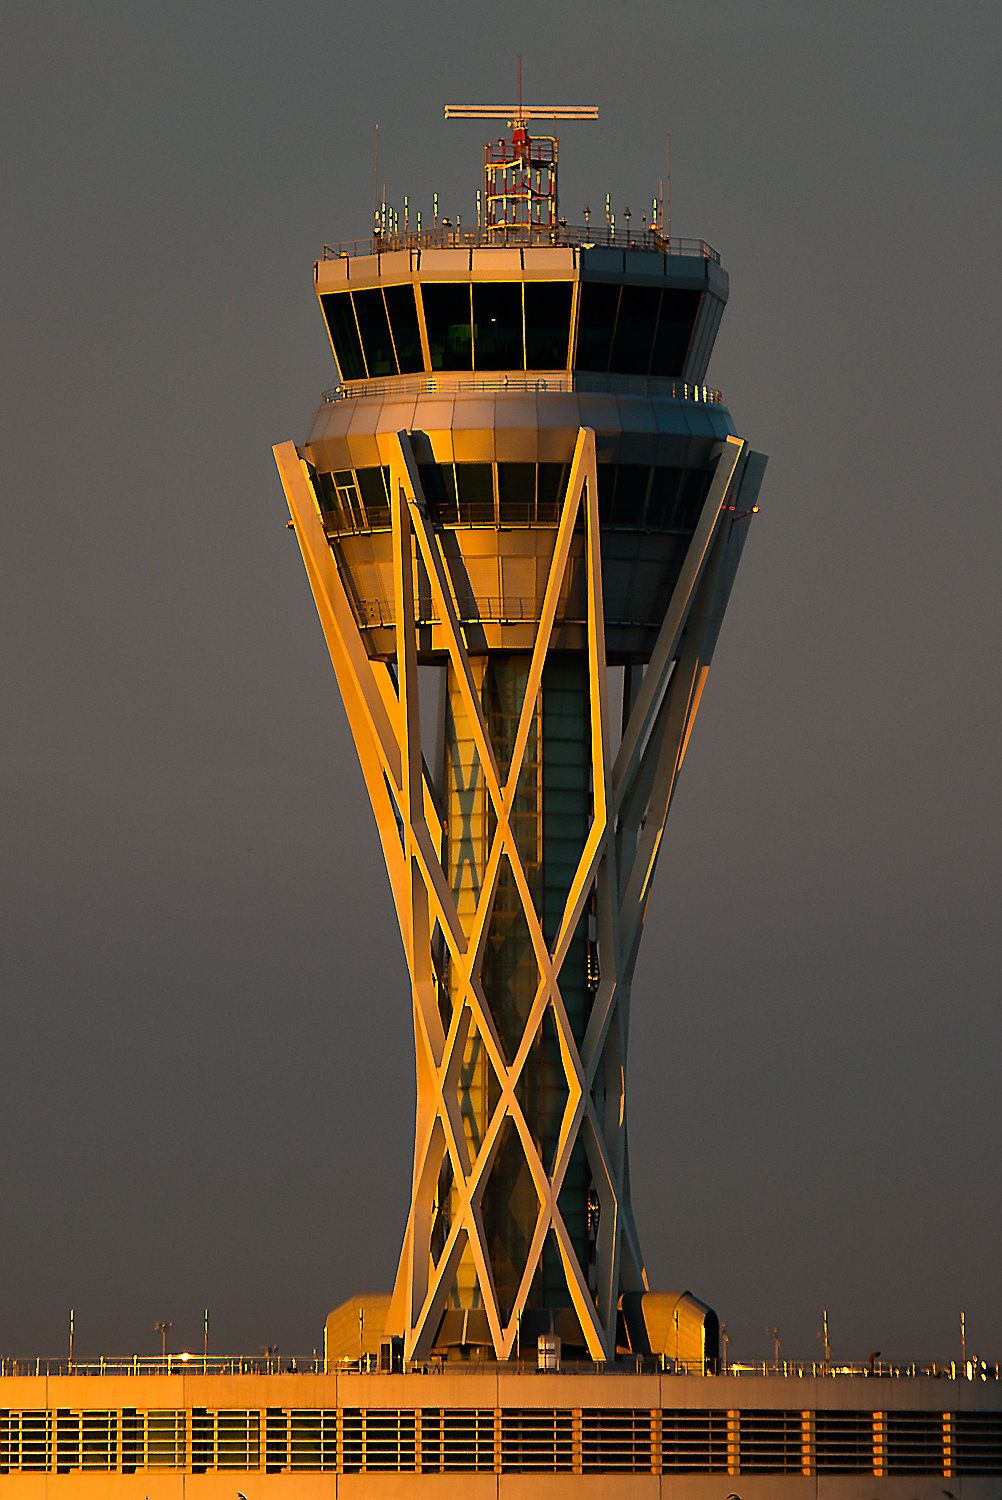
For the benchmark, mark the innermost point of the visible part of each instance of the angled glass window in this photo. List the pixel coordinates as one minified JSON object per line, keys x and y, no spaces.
{"x":631,"y":495}
{"x":635,"y":328}
{"x":344,"y":334}
{"x":516,"y":494}
{"x":374,"y":486}
{"x":675,"y":324}
{"x":374,"y":327}
{"x":349,"y":511}
{"x":323,"y":485}
{"x":338,"y":497}
{"x":550,"y":492}
{"x":622,"y":495}
{"x":439,"y":484}
{"x":606,"y":493}
{"x":662,"y":507}
{"x":402,"y":310}
{"x":547,"y":324}
{"x":596,"y":322}
{"x":497,"y":325}
{"x":475,"y":483}
{"x":694,"y":490}
{"x":449,"y":320}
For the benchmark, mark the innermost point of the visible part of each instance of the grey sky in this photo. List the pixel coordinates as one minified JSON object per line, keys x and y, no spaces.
{"x":205,"y":1054}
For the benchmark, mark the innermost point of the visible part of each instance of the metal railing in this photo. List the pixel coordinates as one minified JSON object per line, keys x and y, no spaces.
{"x":578,"y":236}
{"x":490,"y":611}
{"x":659,"y":1364}
{"x":167,"y":1364}
{"x":824,"y":1370}
{"x":584,"y":381}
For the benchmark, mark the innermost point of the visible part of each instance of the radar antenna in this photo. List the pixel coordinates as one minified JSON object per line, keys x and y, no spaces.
{"x":520,"y":174}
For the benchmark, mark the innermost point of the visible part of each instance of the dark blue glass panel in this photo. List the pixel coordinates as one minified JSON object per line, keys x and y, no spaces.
{"x":695,"y":486}
{"x":497,"y":325}
{"x":439,"y":484}
{"x":374,"y":487}
{"x":547,"y":324}
{"x":635,"y":328}
{"x":596,"y":323}
{"x":375,"y":330}
{"x":475,"y":484}
{"x":550,"y":496}
{"x":516,"y":493}
{"x":675,"y":325}
{"x":344,"y":334}
{"x":402,"y":309}
{"x":631,"y":495}
{"x":450,"y":329}
{"x":662,"y":506}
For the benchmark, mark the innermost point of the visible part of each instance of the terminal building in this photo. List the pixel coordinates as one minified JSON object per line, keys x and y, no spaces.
{"x":521,"y":510}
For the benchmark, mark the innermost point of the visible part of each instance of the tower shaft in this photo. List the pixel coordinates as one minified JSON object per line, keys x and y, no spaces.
{"x":521,"y":868}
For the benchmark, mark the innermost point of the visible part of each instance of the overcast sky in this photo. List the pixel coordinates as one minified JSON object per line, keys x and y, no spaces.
{"x":206,"y":1074}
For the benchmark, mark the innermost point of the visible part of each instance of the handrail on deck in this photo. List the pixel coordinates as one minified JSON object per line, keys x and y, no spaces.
{"x":658,"y":387}
{"x":517,"y":237}
{"x":660,"y":1364}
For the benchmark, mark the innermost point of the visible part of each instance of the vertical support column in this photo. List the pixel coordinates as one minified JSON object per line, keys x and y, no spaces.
{"x":577,"y":1442}
{"x":947,"y":1445}
{"x":807,"y":1442}
{"x":733,"y":1442}
{"x":879,"y":1444}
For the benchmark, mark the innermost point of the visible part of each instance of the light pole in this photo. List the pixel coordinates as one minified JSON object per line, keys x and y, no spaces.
{"x":163,"y":1329}
{"x":773,"y":1333}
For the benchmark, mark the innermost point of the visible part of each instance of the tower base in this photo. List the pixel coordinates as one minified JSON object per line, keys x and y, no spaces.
{"x":674,"y":1329}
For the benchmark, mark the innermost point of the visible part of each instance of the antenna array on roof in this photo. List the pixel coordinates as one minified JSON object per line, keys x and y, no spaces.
{"x":513,"y":113}
{"x":520,"y":175}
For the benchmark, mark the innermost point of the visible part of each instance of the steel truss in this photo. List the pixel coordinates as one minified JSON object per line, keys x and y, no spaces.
{"x":632,"y":793}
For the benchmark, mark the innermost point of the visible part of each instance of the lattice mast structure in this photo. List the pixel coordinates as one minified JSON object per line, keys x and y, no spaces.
{"x":521,"y":513}
{"x":520,"y":173}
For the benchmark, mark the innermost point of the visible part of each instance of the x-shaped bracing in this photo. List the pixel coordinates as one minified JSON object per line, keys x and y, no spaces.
{"x":631,"y":796}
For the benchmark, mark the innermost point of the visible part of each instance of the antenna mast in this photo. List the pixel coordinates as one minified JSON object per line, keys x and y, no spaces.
{"x":520,"y":174}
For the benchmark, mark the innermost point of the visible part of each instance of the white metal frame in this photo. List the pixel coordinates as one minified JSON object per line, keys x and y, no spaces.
{"x":632,"y":794}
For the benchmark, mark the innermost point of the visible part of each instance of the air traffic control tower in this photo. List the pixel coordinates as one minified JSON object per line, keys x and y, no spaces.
{"x":521,"y":510}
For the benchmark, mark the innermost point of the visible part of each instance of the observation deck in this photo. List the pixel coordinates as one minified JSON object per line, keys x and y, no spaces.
{"x":493,"y":356}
